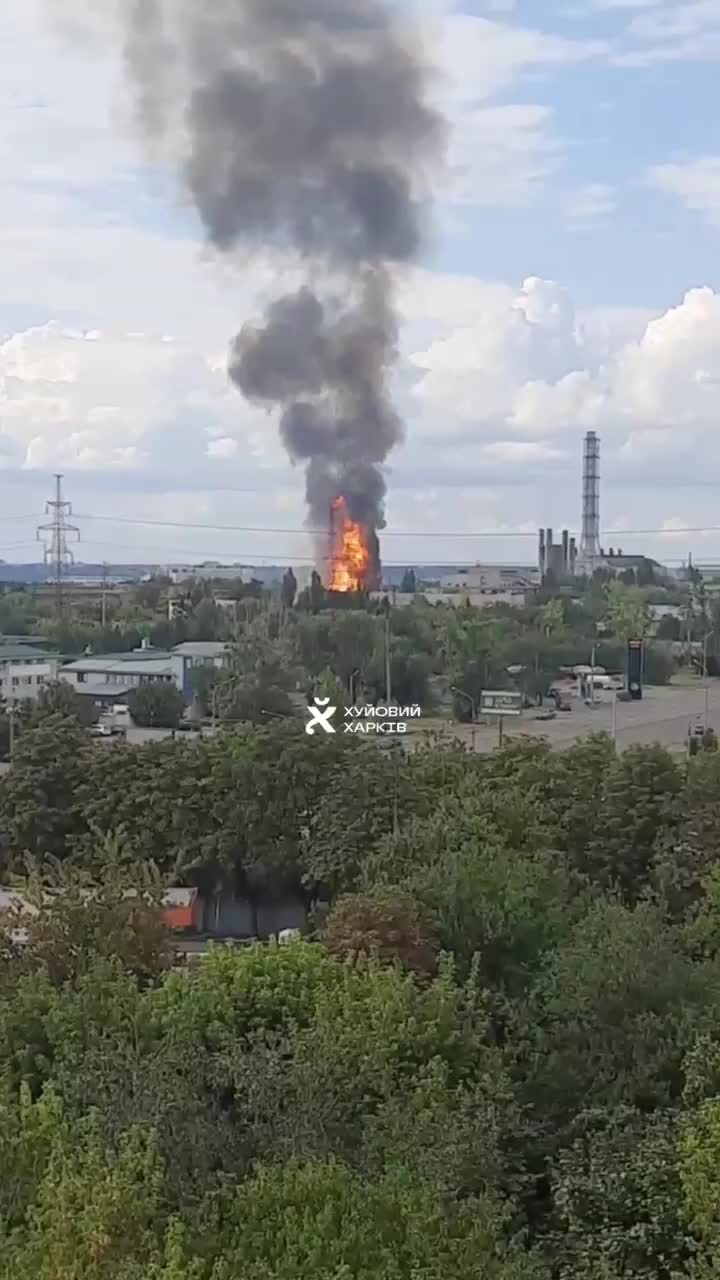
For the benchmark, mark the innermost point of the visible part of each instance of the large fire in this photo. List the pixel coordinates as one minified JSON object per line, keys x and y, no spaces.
{"x":350,"y":551}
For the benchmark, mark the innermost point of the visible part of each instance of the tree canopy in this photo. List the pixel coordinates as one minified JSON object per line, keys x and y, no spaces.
{"x":495,"y":1053}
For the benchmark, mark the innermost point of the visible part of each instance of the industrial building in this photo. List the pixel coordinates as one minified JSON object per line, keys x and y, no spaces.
{"x":558,"y":558}
{"x":483,"y":585}
{"x":492,"y":579}
{"x":108,"y":678}
{"x":210,"y":571}
{"x":565,"y":560}
{"x":456,"y":598}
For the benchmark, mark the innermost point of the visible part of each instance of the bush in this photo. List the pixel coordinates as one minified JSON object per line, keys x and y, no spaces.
{"x":156,"y":706}
{"x":385,"y":924}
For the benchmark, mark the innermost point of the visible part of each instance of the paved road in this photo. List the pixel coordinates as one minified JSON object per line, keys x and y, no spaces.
{"x":663,"y":715}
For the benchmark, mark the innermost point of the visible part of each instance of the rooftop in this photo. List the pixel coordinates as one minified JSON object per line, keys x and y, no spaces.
{"x":110,"y":661}
{"x":201,"y":649}
{"x":24,"y":653}
{"x":101,"y":689}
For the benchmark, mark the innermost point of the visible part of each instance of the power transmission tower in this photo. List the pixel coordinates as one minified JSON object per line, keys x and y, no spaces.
{"x":57,"y":551}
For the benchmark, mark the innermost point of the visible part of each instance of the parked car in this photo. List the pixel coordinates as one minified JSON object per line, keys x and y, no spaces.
{"x":107,"y":731}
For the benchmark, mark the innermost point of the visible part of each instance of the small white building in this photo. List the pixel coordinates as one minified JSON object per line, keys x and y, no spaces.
{"x":25,"y":670}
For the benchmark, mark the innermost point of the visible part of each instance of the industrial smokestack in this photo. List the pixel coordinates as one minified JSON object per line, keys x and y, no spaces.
{"x":541,"y":551}
{"x":590,"y":550}
{"x":304,"y":127}
{"x":565,"y":550}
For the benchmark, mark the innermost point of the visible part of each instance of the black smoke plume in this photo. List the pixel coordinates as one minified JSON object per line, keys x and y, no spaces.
{"x":305,"y":127}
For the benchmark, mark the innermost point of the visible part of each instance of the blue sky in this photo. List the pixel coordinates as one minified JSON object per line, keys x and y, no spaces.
{"x":570,"y":281}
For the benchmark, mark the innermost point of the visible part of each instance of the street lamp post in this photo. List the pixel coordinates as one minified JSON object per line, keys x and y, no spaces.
{"x":706,"y":638}
{"x":213,"y":708}
{"x":461,"y":694}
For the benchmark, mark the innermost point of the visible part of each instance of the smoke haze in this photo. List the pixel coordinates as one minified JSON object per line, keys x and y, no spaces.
{"x":304,"y":126}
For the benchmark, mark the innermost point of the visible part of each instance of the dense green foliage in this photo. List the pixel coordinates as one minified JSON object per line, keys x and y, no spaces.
{"x":156,"y":706}
{"x":496,"y":1055}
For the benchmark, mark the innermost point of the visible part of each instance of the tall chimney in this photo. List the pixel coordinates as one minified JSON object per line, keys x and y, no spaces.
{"x":541,"y":551}
{"x":565,"y":550}
{"x":590,"y":537}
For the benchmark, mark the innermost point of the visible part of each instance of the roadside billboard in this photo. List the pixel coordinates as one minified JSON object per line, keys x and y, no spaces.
{"x":501,"y":702}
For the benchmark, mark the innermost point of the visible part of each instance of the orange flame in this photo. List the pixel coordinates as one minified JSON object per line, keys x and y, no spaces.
{"x":350,"y":553}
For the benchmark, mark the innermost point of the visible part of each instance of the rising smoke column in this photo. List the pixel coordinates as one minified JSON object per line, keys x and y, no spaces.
{"x":305,"y":128}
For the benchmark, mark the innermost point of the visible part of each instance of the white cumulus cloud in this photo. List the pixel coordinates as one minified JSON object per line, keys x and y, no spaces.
{"x":532,"y":368}
{"x":695,"y":182}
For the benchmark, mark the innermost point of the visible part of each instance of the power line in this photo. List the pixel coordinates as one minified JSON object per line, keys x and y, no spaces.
{"x":139,"y":522}
{"x":250,"y":558}
{"x":238,"y":528}
{"x":387,"y":533}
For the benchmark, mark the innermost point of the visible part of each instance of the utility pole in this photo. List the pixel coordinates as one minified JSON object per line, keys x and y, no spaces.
{"x":473,"y":711}
{"x":690,"y":612}
{"x":103,"y":615}
{"x":396,"y":814}
{"x":708,"y":636}
{"x":57,"y":551}
{"x":388,"y":677}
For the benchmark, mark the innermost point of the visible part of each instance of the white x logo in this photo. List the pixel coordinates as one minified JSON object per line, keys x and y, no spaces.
{"x":321,"y":718}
